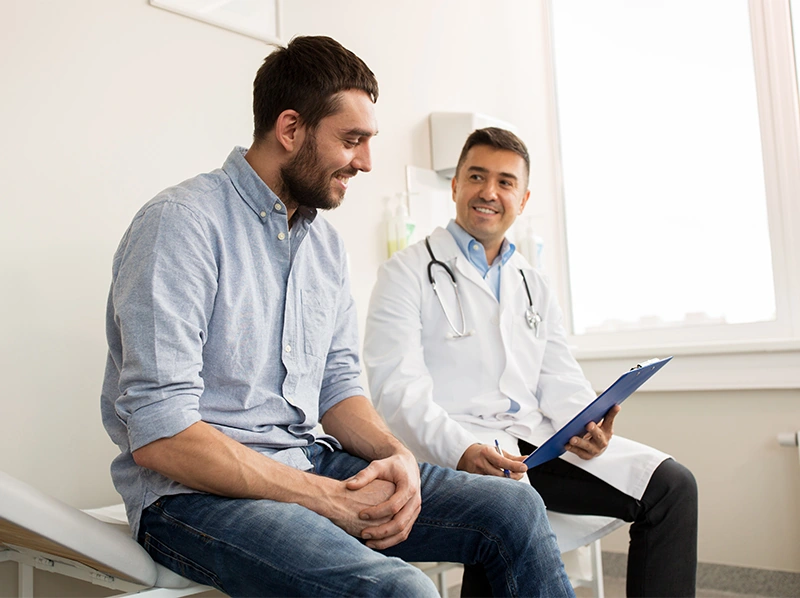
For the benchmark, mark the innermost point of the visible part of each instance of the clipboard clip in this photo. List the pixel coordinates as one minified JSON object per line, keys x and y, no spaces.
{"x":639,"y":366}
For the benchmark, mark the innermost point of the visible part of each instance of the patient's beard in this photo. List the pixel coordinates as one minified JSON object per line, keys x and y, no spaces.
{"x":305,"y":182}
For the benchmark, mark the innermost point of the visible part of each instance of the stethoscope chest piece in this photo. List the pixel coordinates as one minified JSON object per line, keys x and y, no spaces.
{"x":533,"y":319}
{"x":532,"y":316}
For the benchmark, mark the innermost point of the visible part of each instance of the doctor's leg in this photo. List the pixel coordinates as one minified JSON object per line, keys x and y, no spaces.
{"x":662,"y":557}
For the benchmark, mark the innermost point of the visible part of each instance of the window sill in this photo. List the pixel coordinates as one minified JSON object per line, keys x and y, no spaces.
{"x":751,"y":365}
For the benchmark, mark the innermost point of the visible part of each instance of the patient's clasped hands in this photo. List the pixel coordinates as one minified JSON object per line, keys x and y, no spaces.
{"x":379,"y":504}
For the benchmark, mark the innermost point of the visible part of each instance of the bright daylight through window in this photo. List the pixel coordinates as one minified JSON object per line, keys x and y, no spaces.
{"x":663,"y":174}
{"x":795,"y":7}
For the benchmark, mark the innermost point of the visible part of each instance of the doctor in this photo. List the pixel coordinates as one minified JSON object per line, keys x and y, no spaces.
{"x":465,"y":344}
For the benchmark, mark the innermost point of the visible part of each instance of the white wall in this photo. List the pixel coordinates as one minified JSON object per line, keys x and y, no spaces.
{"x":748,"y":484}
{"x":105,"y":103}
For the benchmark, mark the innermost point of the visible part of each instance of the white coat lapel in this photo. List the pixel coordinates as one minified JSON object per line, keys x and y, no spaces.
{"x":512,"y":287}
{"x":447,"y":251}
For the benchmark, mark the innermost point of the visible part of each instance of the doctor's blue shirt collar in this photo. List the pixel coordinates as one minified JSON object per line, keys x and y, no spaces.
{"x":475,"y":253}
{"x":474,"y":250}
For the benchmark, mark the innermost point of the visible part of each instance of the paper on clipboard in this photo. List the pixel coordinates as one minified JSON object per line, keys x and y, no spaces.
{"x":620,"y":390}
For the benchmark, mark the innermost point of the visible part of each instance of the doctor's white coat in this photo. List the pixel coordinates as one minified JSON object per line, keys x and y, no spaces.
{"x":440,"y":394}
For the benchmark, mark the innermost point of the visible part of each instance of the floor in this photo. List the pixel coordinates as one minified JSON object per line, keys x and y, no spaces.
{"x":615,"y":588}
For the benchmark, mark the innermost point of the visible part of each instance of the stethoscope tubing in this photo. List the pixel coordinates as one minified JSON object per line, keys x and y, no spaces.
{"x":434,"y":262}
{"x":532,"y":316}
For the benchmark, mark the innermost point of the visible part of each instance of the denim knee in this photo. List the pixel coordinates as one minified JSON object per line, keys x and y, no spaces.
{"x":402,"y":580}
{"x":515,"y":506}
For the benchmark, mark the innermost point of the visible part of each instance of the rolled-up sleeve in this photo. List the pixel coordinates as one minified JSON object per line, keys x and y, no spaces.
{"x":162,"y":294}
{"x":342,"y":368}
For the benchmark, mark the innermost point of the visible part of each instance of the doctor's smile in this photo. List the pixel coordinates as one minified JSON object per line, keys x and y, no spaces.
{"x":485,"y":210}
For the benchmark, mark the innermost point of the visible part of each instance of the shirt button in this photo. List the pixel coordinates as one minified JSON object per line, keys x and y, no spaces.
{"x":278,"y":207}
{"x":263,"y":214}
{"x":281,"y":236}
{"x":288,"y":348}
{"x":474,"y":247}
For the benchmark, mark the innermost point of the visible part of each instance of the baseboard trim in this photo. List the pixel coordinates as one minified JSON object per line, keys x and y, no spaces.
{"x":726,"y":578}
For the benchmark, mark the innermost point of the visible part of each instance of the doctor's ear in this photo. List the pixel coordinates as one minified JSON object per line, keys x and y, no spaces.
{"x":524,"y":202}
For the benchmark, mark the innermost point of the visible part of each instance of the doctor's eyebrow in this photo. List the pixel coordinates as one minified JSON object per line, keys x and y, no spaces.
{"x":482,"y":170}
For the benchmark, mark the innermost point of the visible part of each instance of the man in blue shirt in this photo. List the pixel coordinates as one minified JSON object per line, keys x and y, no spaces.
{"x":232,"y":334}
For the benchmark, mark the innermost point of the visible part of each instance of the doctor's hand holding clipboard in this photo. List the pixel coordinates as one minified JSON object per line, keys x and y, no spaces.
{"x":595,"y":441}
{"x":488,"y":460}
{"x":587,"y":434}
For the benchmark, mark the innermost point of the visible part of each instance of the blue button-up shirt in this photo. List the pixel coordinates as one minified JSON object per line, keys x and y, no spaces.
{"x":217,"y":313}
{"x":475,"y":252}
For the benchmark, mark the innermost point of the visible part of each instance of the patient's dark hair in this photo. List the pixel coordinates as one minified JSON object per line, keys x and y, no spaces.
{"x":307,"y":76}
{"x":498,"y":139}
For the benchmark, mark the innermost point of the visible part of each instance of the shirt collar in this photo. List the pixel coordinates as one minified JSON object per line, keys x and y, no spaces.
{"x":474,"y":250}
{"x":254,"y":191}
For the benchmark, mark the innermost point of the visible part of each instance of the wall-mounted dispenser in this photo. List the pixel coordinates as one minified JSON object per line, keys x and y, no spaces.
{"x":449,"y":131}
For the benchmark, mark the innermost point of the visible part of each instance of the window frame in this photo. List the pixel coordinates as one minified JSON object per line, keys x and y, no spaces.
{"x":762,"y":355}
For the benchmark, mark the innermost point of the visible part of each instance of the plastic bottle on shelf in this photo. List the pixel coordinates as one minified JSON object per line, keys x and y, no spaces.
{"x":531,"y":246}
{"x":391,"y":228}
{"x":538,"y":251}
{"x":403,"y":226}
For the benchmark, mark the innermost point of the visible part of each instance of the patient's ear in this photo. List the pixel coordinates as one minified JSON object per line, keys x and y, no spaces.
{"x":288,"y":130}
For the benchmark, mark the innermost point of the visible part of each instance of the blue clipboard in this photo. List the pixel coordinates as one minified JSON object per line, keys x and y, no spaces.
{"x":624,"y":387}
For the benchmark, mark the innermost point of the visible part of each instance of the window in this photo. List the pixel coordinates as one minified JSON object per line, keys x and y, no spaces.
{"x":795,"y":10}
{"x":678,"y":143}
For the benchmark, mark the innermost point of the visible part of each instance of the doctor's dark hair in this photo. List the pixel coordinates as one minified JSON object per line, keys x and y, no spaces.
{"x":307,"y":76}
{"x":498,"y":139}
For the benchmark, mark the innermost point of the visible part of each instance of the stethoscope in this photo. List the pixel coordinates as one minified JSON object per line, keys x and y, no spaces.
{"x":532,"y":316}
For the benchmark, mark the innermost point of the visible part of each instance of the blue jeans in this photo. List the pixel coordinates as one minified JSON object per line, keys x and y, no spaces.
{"x":268,"y":548}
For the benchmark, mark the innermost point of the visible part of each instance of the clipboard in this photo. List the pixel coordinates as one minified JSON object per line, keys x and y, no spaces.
{"x":620,"y":390}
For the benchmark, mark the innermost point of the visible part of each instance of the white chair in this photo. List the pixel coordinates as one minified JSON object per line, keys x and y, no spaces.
{"x":578,"y":539}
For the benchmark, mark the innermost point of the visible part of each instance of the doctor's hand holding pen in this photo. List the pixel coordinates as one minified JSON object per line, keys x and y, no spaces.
{"x":597,"y":436}
{"x":485,"y":459}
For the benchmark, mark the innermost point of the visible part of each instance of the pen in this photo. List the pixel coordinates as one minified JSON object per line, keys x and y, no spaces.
{"x":497,"y":446}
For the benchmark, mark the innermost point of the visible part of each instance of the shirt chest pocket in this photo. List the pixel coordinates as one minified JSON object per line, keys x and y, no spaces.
{"x":526,"y":342}
{"x":318,"y":321}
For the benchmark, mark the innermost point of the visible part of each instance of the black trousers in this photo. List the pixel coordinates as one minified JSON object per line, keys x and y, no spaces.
{"x":662,"y":555}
